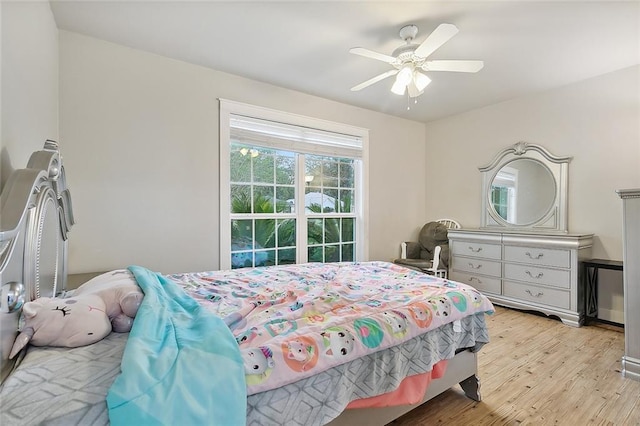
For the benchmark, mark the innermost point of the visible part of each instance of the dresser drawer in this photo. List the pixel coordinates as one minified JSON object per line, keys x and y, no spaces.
{"x":536,"y":275}
{"x":538,"y":256}
{"x":476,"y":266}
{"x":540,"y":295}
{"x":482,"y":250}
{"x":479,"y":282}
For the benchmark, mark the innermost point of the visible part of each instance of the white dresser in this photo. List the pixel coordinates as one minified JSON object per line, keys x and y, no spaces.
{"x":524,"y":270}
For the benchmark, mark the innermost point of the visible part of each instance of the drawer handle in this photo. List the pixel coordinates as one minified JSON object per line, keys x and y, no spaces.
{"x":475,"y":267}
{"x":534,"y":295}
{"x":478,"y":250}
{"x":471,"y":279}
{"x":532,"y":276}
{"x":534,"y":257}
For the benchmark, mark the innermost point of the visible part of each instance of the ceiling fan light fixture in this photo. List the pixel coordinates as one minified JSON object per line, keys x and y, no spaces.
{"x":404,"y":77}
{"x":421,"y":80}
{"x":398,"y":87}
{"x":414,"y":91}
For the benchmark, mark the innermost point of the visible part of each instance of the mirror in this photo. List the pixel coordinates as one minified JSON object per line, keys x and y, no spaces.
{"x":525,"y":187}
{"x":522,"y":191}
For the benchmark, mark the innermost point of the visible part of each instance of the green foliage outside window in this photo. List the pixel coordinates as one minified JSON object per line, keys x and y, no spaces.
{"x":262,"y":182}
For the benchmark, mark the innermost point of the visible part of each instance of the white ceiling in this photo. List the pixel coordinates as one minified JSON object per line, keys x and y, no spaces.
{"x":526,"y":46}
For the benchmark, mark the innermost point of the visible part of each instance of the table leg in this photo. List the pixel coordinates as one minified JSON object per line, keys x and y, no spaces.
{"x":591,"y":292}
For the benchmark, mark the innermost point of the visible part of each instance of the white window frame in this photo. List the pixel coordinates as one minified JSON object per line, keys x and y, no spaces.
{"x":229,"y":108}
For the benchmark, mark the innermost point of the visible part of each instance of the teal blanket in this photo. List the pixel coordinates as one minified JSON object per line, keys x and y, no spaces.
{"x":181,"y":365}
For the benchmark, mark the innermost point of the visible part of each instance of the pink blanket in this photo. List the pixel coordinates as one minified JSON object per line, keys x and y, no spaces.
{"x":411,"y":390}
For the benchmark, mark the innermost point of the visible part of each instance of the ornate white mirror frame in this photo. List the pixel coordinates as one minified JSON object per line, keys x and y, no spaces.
{"x":531,"y":184}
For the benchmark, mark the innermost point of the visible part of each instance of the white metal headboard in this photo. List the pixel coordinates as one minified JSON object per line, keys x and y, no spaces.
{"x":35,"y":218}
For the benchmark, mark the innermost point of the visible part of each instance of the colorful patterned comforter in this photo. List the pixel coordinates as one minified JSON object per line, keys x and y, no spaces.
{"x":292,"y":322}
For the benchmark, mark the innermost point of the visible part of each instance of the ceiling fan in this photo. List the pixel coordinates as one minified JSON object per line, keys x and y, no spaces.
{"x":408,"y":60}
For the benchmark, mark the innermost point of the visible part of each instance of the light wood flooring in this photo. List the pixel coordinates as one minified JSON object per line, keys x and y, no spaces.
{"x":538,"y":371}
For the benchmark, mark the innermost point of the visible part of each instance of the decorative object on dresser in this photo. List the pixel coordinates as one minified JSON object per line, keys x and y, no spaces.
{"x":525,"y":187}
{"x":631,"y":277}
{"x":523,"y":257}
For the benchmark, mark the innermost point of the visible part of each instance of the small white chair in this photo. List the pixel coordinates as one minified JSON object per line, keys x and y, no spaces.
{"x":449,"y":223}
{"x":442,"y":273}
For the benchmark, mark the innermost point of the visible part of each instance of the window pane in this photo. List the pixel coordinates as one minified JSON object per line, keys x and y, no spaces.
{"x":346,"y":174}
{"x":241,"y":259}
{"x":286,"y":233}
{"x":263,"y":168}
{"x":331,"y":230}
{"x":330,"y":174}
{"x":313,"y":200}
{"x":285,"y":168}
{"x":286,"y":257}
{"x":265,"y":233}
{"x":266,"y":258}
{"x":346,"y":200}
{"x":241,"y":234}
{"x":313,"y":167}
{"x":315,"y":254}
{"x":330,"y":192}
{"x":240,"y":164}
{"x":332,"y":253}
{"x":314,"y":231}
{"x":330,"y":201}
{"x":240,"y":199}
{"x":348,"y":230}
{"x":285,"y":199}
{"x":263,"y":197}
{"x":347,"y":252}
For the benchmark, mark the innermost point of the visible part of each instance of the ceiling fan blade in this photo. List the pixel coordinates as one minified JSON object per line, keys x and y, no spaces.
{"x":374,"y":80}
{"x":437,"y":38}
{"x":453,"y":65}
{"x":371,"y":54}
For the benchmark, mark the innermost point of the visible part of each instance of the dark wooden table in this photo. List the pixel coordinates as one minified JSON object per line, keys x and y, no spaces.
{"x":591,"y":268}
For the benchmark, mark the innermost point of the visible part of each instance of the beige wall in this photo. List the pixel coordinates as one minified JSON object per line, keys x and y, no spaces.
{"x":29,"y":82}
{"x":140,"y":139}
{"x":139,"y":134}
{"x":597,"y":121}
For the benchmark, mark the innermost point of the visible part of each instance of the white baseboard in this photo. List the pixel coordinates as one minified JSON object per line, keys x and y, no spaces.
{"x":631,"y":368}
{"x":611,"y":315}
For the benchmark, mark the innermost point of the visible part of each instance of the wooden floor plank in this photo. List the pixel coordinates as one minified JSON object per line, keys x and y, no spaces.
{"x":539,"y":371}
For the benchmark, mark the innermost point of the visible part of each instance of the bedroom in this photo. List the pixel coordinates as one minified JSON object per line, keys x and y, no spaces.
{"x":131,"y":122}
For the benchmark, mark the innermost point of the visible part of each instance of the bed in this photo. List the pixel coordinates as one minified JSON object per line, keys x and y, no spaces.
{"x":345,"y":343}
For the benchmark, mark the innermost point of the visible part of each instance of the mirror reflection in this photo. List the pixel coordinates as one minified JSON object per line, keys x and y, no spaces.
{"x":523,"y":191}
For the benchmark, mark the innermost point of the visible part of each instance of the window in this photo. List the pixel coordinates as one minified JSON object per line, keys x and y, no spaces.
{"x":292,"y":188}
{"x":503,"y":193}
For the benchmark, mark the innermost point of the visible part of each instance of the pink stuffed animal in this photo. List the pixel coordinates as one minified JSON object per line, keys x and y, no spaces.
{"x":105,"y":303}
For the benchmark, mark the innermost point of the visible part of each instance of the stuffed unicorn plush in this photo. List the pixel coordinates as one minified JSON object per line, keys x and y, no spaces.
{"x":105,"y":303}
